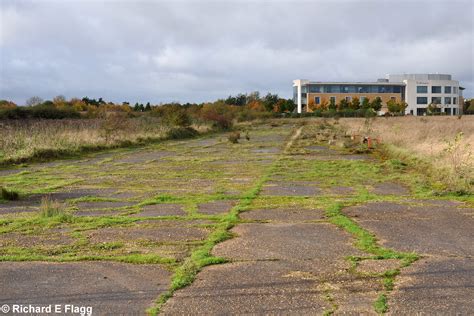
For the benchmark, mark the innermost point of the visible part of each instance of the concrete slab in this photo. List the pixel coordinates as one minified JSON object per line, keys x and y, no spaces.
{"x":216,"y":207}
{"x":287,"y":241}
{"x":157,"y":232}
{"x":390,"y":188}
{"x":161,"y":210}
{"x":435,"y":286}
{"x":248,"y":288}
{"x":283,"y":215}
{"x":109,"y":288}
{"x":102,"y":205}
{"x":290,"y":190}
{"x":442,"y":230}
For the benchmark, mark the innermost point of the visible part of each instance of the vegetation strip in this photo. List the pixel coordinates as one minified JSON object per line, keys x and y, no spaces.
{"x":186,"y":273}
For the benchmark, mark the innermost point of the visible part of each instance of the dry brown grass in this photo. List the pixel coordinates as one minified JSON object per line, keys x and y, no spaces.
{"x":447,"y":142}
{"x":29,"y":138}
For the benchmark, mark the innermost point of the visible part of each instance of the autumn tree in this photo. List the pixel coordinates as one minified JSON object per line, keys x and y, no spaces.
{"x":34,"y":101}
{"x":355,"y":103}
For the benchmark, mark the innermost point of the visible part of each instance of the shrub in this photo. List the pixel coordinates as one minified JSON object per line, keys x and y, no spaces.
{"x":14,"y":114}
{"x":173,"y":115}
{"x":234,"y":137}
{"x":219,"y":114}
{"x":181,"y":133}
{"x":48,"y":111}
{"x":112,"y":124}
{"x":42,"y":111}
{"x":9,"y":195}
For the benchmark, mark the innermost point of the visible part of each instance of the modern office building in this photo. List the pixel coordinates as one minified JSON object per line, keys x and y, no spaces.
{"x":417,"y":90}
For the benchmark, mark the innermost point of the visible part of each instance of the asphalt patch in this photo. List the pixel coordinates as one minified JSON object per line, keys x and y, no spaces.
{"x":149,"y":231}
{"x":108,"y":287}
{"x":390,"y":188}
{"x":216,"y":207}
{"x":290,"y":190}
{"x":424,"y":229}
{"x":102,"y":205}
{"x":247,"y":288}
{"x":287,"y":241}
{"x":435,"y":286}
{"x":283,"y":215}
{"x":161,"y":210}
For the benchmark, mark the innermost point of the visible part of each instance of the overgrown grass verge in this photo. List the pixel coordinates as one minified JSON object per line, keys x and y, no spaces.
{"x":443,"y":181}
{"x":47,"y":154}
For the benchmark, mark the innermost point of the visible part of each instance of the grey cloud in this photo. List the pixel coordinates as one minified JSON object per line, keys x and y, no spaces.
{"x":197,"y":51}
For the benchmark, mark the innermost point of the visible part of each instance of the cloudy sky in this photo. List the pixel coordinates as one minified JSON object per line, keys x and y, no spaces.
{"x":193,"y":51}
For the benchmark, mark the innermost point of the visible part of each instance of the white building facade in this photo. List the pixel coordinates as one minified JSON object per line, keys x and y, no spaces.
{"x":421,"y":90}
{"x":417,"y":90}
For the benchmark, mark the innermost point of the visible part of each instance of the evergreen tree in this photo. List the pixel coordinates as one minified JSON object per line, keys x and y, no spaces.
{"x":366,"y":103}
{"x":376,"y":104}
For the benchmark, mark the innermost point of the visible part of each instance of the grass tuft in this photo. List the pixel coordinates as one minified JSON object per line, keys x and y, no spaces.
{"x":380,"y":305}
{"x":51,"y":208}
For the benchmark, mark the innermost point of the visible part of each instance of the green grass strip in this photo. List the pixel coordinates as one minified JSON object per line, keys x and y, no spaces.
{"x":185,"y":274}
{"x":367,"y":242}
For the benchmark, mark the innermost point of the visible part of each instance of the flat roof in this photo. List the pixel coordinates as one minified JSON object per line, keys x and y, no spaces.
{"x":357,"y":83}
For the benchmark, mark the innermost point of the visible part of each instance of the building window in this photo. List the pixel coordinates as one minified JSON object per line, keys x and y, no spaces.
{"x":421,"y":111}
{"x":314,"y":89}
{"x":332,"y":89}
{"x":317,"y":100}
{"x":447,"y":89}
{"x":436,"y":100}
{"x":447,"y":100}
{"x":455,"y":89}
{"x":436,"y":89}
{"x":421,"y":100}
{"x":455,"y":100}
{"x":348,"y":99}
{"x":421,"y":89}
{"x":332,"y":99}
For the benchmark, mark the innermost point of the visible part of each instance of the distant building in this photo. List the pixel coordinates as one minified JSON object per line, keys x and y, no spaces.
{"x":417,"y":90}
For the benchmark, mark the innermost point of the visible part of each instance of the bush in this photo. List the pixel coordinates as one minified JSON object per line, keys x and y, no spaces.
{"x":173,"y":115}
{"x":234,"y":137}
{"x":47,"y":111}
{"x":9,"y":195}
{"x":181,"y":133}
{"x":219,"y":114}
{"x":14,"y":114}
{"x":42,"y":111}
